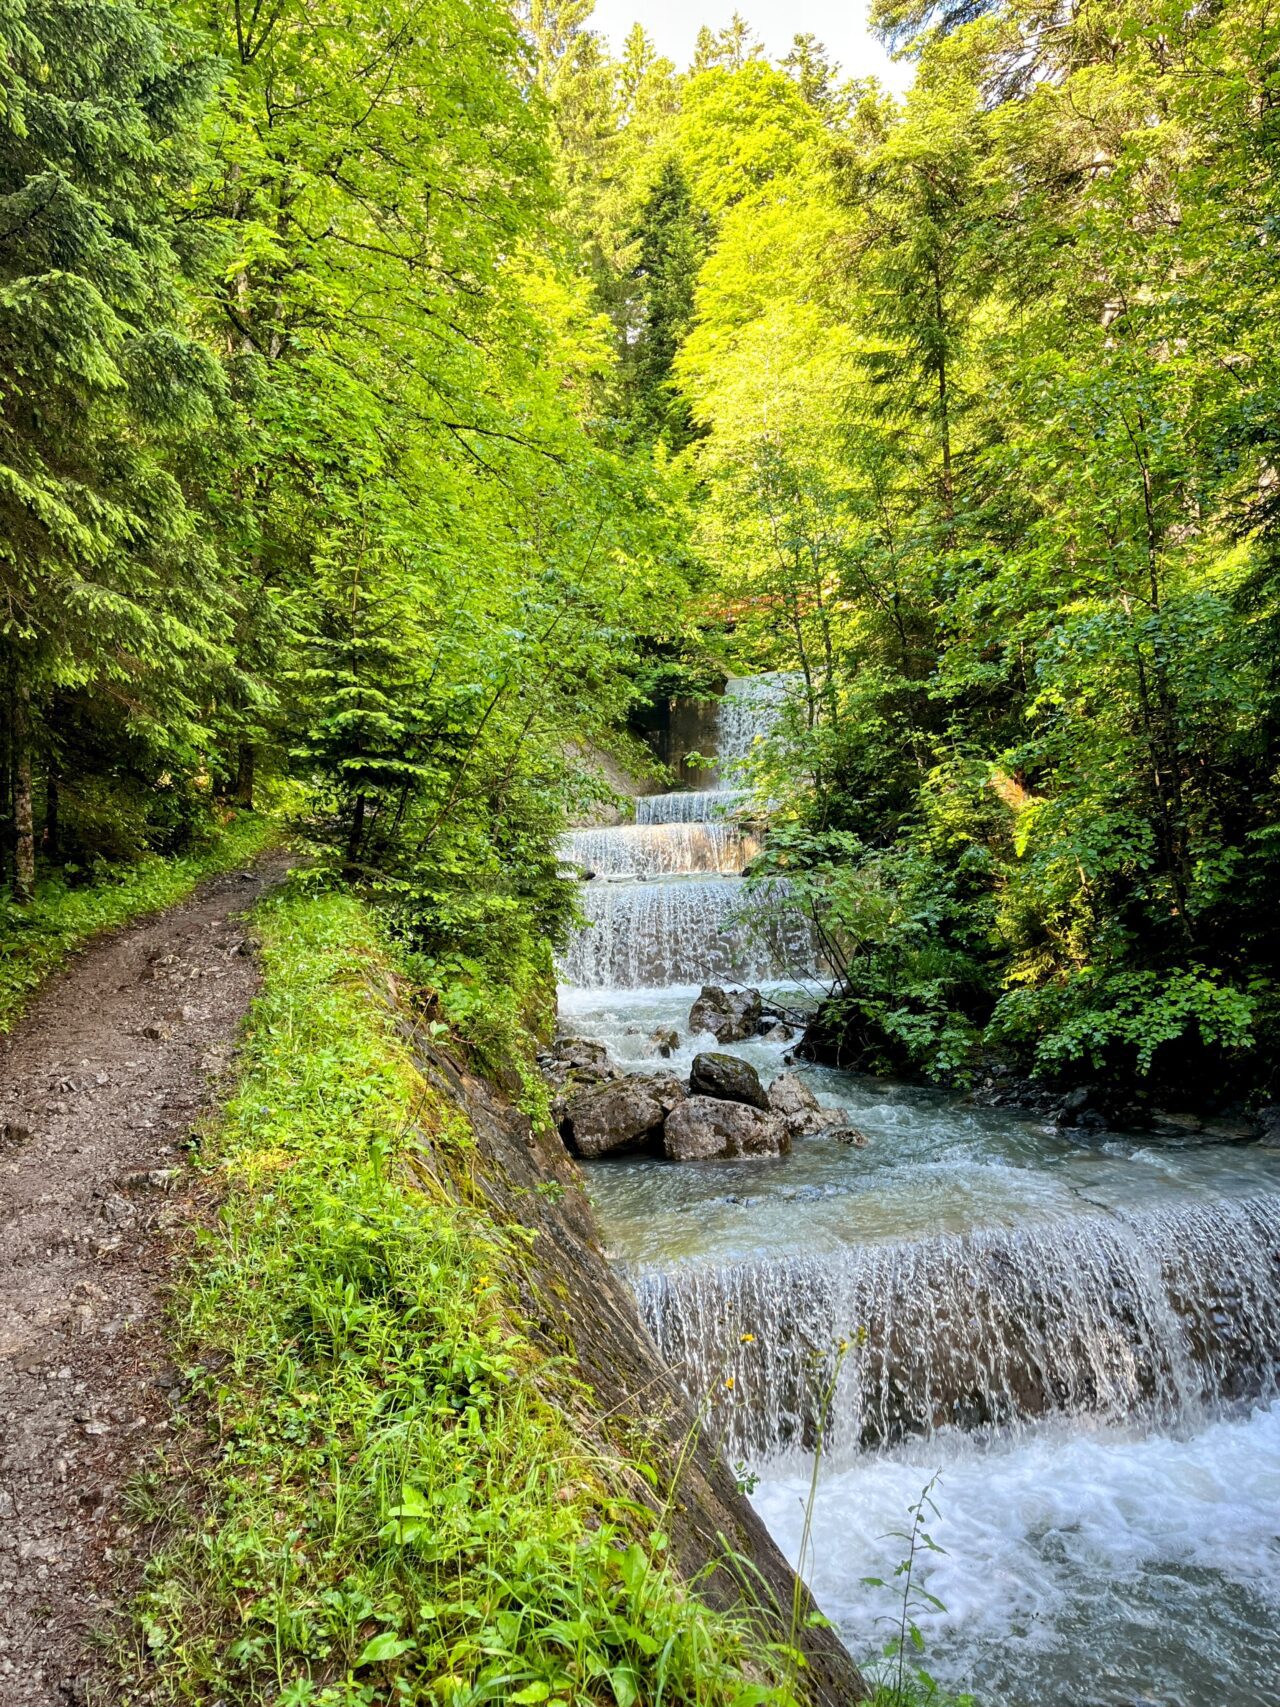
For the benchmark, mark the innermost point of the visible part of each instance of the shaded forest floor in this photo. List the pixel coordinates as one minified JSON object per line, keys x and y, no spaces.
{"x":100,"y":1083}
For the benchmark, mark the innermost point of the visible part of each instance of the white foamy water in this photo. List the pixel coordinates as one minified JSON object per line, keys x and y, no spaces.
{"x":684,"y":929}
{"x":750,"y":710}
{"x":696,"y":806}
{"x":1164,"y":1313}
{"x":1082,"y":1566}
{"x":660,"y":850}
{"x":625,"y":1020}
{"x":688,"y":917}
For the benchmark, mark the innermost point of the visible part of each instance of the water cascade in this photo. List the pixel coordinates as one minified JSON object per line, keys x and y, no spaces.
{"x":650,"y":850}
{"x":1081,"y":1332}
{"x":684,"y":930}
{"x":749,"y":710}
{"x":1164,"y":1314}
{"x":685,"y":916}
{"x":698,"y":806}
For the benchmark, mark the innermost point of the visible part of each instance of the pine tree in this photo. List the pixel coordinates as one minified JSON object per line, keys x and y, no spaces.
{"x":107,"y":595}
{"x":705,"y":51}
{"x":808,"y":63}
{"x":556,"y":31}
{"x":672,"y":240}
{"x":735,"y":44}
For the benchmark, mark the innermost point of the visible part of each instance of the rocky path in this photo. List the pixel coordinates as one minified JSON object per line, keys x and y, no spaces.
{"x":100,"y":1083}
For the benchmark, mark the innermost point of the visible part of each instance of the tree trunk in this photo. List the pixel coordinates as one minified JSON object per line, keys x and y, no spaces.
{"x":52,"y":815}
{"x":944,"y":415}
{"x":246,"y":761}
{"x":356,"y":838}
{"x":24,"y":837}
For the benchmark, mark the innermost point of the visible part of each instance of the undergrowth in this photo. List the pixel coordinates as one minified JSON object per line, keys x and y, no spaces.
{"x":36,"y":938}
{"x":405,"y":1504}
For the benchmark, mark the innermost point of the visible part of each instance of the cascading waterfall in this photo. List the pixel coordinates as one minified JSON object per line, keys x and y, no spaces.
{"x":698,"y":806}
{"x":684,"y":931}
{"x":1163,"y":1314}
{"x":648,"y":850}
{"x":750,"y":710}
{"x":1088,"y":1351}
{"x":686,"y":918}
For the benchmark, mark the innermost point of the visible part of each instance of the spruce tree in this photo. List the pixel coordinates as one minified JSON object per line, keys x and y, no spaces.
{"x":672,"y":240}
{"x":107,"y":596}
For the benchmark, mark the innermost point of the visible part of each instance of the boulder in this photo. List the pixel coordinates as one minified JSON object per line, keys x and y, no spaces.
{"x":727,"y":1078}
{"x":707,"y":1129}
{"x":620,"y":1115}
{"x":670,"y":1092}
{"x":1269,"y":1126}
{"x":664,"y":1041}
{"x":849,"y":1135}
{"x":1074,"y":1107}
{"x":729,"y":1015}
{"x":774,"y":1026}
{"x":791,"y":1098}
{"x":580,"y":1052}
{"x":576,"y":1061}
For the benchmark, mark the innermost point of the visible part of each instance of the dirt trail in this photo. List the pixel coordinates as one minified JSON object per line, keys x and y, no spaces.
{"x":99,"y":1085}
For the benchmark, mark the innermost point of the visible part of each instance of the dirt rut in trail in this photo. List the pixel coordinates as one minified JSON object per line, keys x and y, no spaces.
{"x":100,"y":1083}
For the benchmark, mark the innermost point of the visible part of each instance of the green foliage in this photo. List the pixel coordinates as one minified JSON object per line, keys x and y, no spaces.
{"x":319,"y":476}
{"x":109,"y":591}
{"x":405,"y":1502}
{"x":671,"y":238}
{"x":982,"y":387}
{"x":901,"y":1678}
{"x":462,"y":564}
{"x":36,"y":938}
{"x":902,"y":929}
{"x":1102,"y":1020}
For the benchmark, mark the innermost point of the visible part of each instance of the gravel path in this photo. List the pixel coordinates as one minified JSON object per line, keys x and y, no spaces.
{"x":100,"y":1083}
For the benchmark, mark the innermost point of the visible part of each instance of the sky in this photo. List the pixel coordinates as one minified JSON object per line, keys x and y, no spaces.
{"x":841,"y":24}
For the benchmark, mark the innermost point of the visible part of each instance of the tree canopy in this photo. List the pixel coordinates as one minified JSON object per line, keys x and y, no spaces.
{"x":389,"y":404}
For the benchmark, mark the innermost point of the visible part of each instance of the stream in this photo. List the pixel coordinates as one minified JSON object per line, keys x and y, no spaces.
{"x":1077,"y":1333}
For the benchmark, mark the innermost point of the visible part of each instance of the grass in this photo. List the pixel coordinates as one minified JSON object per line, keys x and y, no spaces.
{"x":405,"y":1500}
{"x":35,"y":940}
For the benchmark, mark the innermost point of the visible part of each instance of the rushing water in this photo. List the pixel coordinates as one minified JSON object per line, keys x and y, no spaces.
{"x":648,"y":850}
{"x":1081,"y":1334}
{"x":1083,"y":1567}
{"x":681,"y":929}
{"x":699,"y":807}
{"x":1159,"y":1314}
{"x":748,"y":712}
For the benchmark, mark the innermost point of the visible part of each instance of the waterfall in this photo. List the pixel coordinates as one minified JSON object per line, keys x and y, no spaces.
{"x":750,"y":710}
{"x":686,"y":917}
{"x":685,"y":931}
{"x":651,"y":850}
{"x":1081,"y":1333}
{"x":1161,"y":1314}
{"x":696,"y":807}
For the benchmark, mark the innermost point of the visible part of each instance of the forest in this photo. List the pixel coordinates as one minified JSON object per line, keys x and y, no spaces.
{"x":393,"y":406}
{"x":404,"y":409}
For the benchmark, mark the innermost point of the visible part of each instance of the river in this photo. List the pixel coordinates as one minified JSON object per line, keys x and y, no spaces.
{"x":1078,"y":1334}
